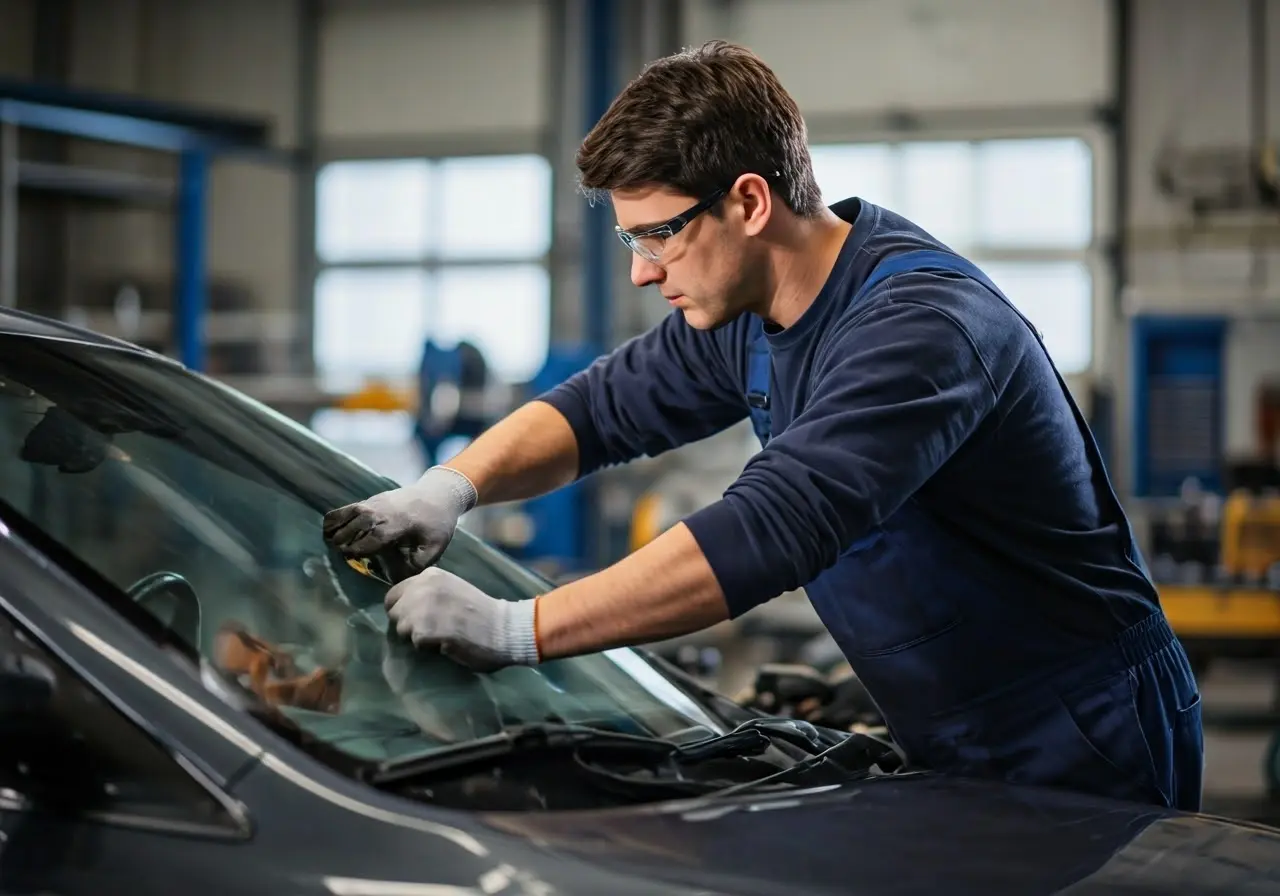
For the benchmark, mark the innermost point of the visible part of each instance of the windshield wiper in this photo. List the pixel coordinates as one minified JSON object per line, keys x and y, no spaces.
{"x":749,"y":739}
{"x":853,"y":757}
{"x":516,"y":739}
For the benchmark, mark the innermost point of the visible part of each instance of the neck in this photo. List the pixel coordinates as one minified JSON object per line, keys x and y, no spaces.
{"x":801,"y":261}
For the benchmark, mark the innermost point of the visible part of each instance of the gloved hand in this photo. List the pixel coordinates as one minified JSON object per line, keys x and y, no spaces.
{"x":437,"y":608}
{"x":419,"y":519}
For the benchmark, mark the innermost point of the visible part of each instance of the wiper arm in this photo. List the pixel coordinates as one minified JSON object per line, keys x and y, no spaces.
{"x":852,"y":757}
{"x":517,"y":739}
{"x":810,"y":738}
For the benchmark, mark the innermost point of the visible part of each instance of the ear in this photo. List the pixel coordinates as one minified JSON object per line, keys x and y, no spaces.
{"x":755,"y":200}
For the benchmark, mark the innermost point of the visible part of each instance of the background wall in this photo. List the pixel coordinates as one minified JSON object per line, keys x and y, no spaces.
{"x":839,"y":57}
{"x":239,"y":56}
{"x":431,"y":72}
{"x":17,"y":37}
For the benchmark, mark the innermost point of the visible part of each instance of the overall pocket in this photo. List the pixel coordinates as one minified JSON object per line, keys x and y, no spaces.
{"x":1106,"y":718}
{"x":1087,"y":739}
{"x":1188,"y":758}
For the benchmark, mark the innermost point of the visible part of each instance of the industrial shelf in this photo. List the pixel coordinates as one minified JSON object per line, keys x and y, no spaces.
{"x":197,"y":137}
{"x":219,"y":327}
{"x":95,"y":183}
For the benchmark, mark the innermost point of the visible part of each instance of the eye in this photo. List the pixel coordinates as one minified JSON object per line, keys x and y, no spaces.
{"x":651,"y":242}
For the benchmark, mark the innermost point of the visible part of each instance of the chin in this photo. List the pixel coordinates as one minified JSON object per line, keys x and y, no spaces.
{"x":704,"y":320}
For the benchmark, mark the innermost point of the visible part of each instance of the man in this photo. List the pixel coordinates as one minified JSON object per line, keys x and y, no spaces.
{"x":925,"y":475}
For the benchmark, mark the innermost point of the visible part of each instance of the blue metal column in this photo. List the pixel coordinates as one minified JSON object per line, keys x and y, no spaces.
{"x":600,"y":62}
{"x":189,"y":263}
{"x":599,"y":90}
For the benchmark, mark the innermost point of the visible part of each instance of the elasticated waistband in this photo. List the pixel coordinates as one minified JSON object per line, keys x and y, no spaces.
{"x":1144,"y":639}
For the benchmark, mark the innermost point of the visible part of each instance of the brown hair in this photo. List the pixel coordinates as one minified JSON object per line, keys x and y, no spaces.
{"x":695,"y":122}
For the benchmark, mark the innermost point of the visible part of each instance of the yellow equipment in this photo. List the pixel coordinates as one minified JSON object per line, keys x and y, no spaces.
{"x":1237,"y":614}
{"x":1219,"y":613}
{"x":646,"y":520}
{"x":1250,"y":535}
{"x":377,"y":395}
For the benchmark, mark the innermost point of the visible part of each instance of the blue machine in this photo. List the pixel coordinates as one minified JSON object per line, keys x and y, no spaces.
{"x":1179,"y":393}
{"x":452,"y":385}
{"x":451,"y":389}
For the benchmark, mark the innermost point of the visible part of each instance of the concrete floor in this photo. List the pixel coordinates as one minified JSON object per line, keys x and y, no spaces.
{"x":1234,"y":753}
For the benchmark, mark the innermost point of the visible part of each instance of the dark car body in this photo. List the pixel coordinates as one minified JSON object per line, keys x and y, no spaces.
{"x":166,"y":773}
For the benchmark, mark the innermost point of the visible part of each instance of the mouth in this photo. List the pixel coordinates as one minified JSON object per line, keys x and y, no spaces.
{"x":673,"y":299}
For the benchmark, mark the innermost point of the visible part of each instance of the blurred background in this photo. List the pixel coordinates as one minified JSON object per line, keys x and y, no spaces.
{"x":364,"y":214}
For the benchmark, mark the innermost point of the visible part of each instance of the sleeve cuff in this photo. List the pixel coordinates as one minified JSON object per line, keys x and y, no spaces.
{"x":522,"y":632}
{"x":591,"y":449}
{"x":739,"y":565}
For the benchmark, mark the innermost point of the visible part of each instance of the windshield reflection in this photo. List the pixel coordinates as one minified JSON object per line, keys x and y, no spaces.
{"x":206,"y":509}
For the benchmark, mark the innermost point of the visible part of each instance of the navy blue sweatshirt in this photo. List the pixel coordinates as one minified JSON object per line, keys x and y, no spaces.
{"x":931,"y":387}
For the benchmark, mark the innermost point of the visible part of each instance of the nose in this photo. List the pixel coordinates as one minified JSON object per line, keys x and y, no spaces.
{"x":645,"y":272}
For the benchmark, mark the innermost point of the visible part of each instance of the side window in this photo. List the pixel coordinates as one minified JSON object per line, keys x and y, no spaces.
{"x":64,"y":747}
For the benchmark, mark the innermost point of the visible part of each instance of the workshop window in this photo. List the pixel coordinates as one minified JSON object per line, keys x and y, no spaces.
{"x":443,"y":249}
{"x":369,"y":321}
{"x":1022,"y":209}
{"x":374,"y":211}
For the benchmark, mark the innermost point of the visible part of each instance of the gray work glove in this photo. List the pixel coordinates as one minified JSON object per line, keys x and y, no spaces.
{"x":435,"y":608}
{"x":418,"y":519}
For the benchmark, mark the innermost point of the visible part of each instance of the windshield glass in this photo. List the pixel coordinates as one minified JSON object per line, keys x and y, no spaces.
{"x":206,"y":508}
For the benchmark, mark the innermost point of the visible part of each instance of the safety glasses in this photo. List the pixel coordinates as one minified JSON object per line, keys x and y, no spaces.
{"x":649,"y":243}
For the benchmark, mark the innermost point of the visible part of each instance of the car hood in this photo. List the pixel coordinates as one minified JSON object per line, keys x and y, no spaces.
{"x":914,"y":835}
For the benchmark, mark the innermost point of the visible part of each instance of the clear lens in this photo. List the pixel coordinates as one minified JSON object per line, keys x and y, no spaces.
{"x":649,"y":247}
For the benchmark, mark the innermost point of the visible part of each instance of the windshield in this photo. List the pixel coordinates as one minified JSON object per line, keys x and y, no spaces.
{"x":206,"y":508}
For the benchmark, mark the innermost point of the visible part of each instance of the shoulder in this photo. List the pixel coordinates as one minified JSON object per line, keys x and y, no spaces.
{"x":924,"y":328}
{"x":938,"y":326}
{"x":939,"y":304}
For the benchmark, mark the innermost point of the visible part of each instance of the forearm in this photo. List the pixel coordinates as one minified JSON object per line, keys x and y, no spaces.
{"x":664,"y":590}
{"x":528,"y":453}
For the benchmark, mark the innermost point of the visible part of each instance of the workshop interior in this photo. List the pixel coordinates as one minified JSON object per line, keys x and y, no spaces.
{"x":363,"y":216}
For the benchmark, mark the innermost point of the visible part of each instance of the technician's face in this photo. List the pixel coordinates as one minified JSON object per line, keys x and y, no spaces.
{"x":700,"y":262}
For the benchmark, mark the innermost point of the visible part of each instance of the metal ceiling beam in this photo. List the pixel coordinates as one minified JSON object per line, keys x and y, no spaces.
{"x":128,"y":120}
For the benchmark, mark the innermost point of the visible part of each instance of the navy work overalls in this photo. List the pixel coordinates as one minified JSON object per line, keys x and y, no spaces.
{"x":979,"y":683}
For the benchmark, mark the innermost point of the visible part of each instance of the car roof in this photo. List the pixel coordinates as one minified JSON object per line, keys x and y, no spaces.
{"x":24,"y":323}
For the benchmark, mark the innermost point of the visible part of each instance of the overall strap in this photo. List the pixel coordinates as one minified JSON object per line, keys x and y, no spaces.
{"x":759,"y":373}
{"x":759,"y":360}
{"x":933,"y":259}
{"x":929,"y":259}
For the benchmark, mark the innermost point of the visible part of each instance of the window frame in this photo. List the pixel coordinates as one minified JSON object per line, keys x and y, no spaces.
{"x":1096,"y":257}
{"x":432,"y":262}
{"x":234,"y":823}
